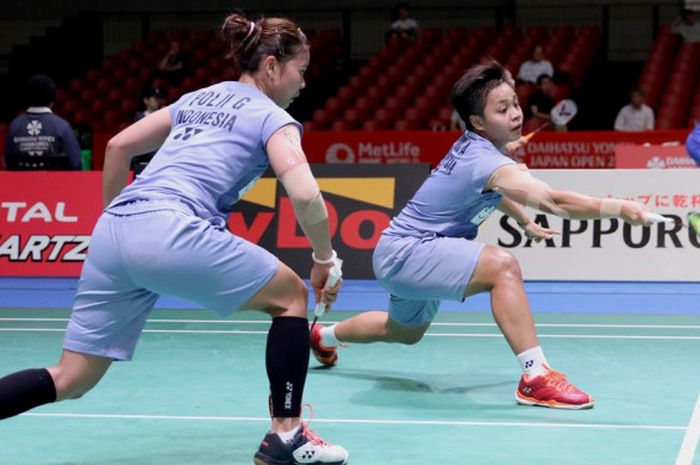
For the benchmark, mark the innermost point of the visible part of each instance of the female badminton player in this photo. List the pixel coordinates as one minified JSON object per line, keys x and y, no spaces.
{"x":428,"y":252}
{"x":166,"y":234}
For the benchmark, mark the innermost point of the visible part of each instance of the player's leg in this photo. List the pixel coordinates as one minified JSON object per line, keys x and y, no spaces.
{"x":284,"y":298}
{"x":73,"y":376}
{"x":225,"y":273}
{"x":107,"y":318}
{"x":498,"y":271}
{"x":418,"y":272}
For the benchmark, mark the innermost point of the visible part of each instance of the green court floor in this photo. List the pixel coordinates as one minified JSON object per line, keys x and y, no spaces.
{"x":196,"y":393}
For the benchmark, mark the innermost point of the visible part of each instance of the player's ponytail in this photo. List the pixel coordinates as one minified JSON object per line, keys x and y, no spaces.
{"x":251,"y":41}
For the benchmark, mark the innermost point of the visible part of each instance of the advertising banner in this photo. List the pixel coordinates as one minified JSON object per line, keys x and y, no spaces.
{"x":46,"y":218}
{"x":547,"y":150}
{"x":609,"y":249}
{"x":653,"y":157}
{"x":361,"y":200}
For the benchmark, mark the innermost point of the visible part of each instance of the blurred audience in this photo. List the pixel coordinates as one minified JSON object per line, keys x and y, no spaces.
{"x":687,"y":26}
{"x":635,"y":116}
{"x":530,"y":70}
{"x":692,"y":144}
{"x":540,"y":103}
{"x":172,"y":65}
{"x":403,"y":25}
{"x":154,"y":98}
{"x":456,"y":122}
{"x":38,"y":139}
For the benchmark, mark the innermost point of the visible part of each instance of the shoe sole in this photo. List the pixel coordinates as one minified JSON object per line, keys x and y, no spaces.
{"x":258,"y":461}
{"x":325,"y":362}
{"x":552,"y":403}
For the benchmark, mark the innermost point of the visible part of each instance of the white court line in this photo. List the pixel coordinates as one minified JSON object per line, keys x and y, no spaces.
{"x":482,"y":325}
{"x":363,"y":421}
{"x":690,"y":440}
{"x":464,"y":335}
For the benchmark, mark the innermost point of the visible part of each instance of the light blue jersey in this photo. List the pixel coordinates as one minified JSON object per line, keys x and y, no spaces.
{"x":427,"y":253}
{"x":451,"y":202}
{"x":165,"y":234}
{"x":215,"y":151}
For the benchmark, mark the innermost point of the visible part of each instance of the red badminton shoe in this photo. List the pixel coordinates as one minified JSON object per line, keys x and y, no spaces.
{"x":552,"y":390}
{"x":326,"y":355}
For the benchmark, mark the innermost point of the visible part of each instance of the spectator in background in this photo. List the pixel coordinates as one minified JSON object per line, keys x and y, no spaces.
{"x":153,"y":100}
{"x":530,"y":70}
{"x":635,"y":116}
{"x":540,"y":103}
{"x":403,"y":25}
{"x":687,"y":26}
{"x":38,"y":139}
{"x":692,"y":144}
{"x":456,"y":122}
{"x":172,"y":65}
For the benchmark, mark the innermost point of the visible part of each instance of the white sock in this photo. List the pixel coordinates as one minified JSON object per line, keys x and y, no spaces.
{"x":328,"y":338}
{"x":533,"y":362}
{"x":287,"y":436}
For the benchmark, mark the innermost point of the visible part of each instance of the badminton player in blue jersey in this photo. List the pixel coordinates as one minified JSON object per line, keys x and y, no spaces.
{"x":166,"y":234}
{"x":429,"y":252}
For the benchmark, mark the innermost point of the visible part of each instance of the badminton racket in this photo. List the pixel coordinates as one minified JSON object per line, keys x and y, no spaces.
{"x":334,"y":275}
{"x":561,"y":114}
{"x":693,"y":221}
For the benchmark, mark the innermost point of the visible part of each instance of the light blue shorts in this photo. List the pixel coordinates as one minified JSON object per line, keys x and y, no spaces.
{"x":161,"y":249}
{"x":419,"y":272}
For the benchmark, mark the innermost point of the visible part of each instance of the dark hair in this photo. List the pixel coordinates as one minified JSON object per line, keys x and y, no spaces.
{"x":40,"y":91}
{"x":685,"y":12}
{"x":637,"y":90}
{"x":542,"y":77}
{"x":251,"y":41}
{"x":470,"y":91}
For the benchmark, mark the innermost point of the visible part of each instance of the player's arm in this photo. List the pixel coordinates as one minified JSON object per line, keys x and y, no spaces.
{"x":289,"y":163}
{"x":144,"y":136}
{"x":516,"y":183}
{"x":517,"y":212}
{"x":534,"y":109}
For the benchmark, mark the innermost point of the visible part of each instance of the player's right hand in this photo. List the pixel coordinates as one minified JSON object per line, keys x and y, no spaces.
{"x":635,"y":213}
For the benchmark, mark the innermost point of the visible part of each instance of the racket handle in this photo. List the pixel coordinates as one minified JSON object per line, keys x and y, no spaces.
{"x":538,"y":129}
{"x":656,"y":218}
{"x":334,"y":275}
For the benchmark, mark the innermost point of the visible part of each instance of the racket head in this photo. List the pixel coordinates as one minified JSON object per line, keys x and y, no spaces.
{"x":563,"y":112}
{"x":694,"y":222}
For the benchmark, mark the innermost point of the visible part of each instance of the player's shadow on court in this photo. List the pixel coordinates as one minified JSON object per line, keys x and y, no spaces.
{"x":401,"y":382}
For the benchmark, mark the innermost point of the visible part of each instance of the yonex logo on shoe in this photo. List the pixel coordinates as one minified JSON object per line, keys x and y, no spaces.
{"x":527,"y":390}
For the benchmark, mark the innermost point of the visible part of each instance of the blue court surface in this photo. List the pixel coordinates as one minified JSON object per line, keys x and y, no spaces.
{"x":196,"y":391}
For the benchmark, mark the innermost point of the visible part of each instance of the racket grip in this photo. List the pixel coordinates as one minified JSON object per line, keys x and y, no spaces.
{"x":334,"y":275}
{"x":656,"y":218}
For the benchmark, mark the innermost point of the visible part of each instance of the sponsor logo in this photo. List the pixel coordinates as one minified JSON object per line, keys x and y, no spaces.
{"x":359,"y":211}
{"x":368,"y":152}
{"x":340,"y":153}
{"x":601,"y":233}
{"x":34,"y":128}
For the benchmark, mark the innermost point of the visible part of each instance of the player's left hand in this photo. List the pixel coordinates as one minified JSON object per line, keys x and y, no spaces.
{"x":538,"y":233}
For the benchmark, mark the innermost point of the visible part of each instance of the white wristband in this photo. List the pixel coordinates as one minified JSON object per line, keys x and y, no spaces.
{"x":328,"y":261}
